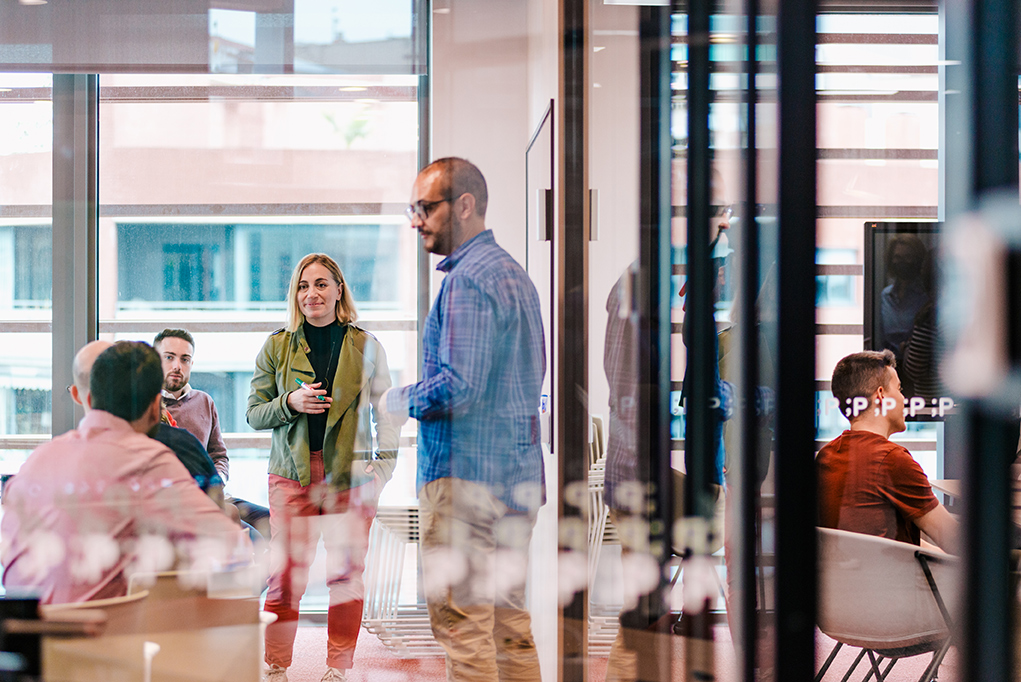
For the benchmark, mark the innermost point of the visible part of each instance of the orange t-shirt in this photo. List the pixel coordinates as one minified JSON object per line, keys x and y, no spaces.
{"x":868,"y":484}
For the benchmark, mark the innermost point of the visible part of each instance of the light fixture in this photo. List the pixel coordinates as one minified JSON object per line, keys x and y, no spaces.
{"x":441,"y":10}
{"x":32,"y":2}
{"x":599,"y":49}
{"x":353,"y":88}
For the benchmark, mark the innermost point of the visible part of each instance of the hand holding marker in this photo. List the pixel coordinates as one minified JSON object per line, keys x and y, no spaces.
{"x":308,"y":388}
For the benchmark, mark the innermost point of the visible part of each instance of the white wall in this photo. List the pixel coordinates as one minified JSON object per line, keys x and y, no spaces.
{"x":613,"y":170}
{"x":494,"y":71}
{"x":495,"y":68}
{"x":479,"y":103}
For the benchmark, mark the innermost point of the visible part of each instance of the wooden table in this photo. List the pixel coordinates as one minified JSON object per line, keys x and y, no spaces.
{"x":201,"y":639}
{"x":953,"y":487}
{"x":947,"y":486}
{"x":217,"y":654}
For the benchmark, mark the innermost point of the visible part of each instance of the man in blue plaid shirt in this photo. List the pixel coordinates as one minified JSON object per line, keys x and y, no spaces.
{"x":480,"y":468}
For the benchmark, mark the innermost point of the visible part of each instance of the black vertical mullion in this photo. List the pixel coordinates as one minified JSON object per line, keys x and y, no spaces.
{"x":994,"y":109}
{"x":699,"y":325}
{"x":747,"y":480}
{"x":571,"y":245}
{"x":986,"y":626}
{"x":654,"y":328}
{"x":991,"y":433}
{"x":795,"y":437}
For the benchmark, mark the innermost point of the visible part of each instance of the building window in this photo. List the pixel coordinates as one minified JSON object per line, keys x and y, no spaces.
{"x":835,"y":290}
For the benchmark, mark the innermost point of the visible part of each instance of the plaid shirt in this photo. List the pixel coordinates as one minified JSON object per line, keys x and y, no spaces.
{"x":620,"y":362}
{"x":484,"y":359}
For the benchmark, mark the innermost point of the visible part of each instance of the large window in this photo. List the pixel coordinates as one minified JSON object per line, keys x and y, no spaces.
{"x":26,"y":258}
{"x":877,"y":138}
{"x":212,"y":188}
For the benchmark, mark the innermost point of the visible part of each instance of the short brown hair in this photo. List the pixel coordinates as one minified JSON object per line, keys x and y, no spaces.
{"x":175,"y":334}
{"x":346,"y":312}
{"x":858,"y":375}
{"x":461,"y":176}
{"x":125,"y":379}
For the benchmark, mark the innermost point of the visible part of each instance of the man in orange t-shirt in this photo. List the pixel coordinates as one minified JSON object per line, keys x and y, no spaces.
{"x":868,"y":484}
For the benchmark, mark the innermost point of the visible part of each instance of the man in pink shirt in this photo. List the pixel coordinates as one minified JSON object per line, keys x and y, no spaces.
{"x":93,"y":506}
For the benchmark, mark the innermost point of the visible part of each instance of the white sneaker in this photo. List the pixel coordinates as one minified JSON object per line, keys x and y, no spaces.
{"x":274,"y":673}
{"x":334,"y":675}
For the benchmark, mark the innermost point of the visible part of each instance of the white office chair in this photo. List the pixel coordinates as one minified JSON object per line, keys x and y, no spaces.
{"x":890,"y":598}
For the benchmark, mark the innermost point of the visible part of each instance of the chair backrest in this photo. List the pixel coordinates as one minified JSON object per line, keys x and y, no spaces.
{"x":124,"y":615}
{"x":873,"y":592}
{"x":598,"y":442}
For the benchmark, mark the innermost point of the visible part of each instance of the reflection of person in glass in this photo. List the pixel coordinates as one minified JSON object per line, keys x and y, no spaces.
{"x":624,"y":493}
{"x":480,"y":470}
{"x":906,"y":293}
{"x":315,"y":381}
{"x":922,"y":351}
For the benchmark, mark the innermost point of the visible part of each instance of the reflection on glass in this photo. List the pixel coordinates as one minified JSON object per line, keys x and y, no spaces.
{"x":26,"y":253}
{"x":481,"y":477}
{"x":213,"y":186}
{"x":344,"y":36}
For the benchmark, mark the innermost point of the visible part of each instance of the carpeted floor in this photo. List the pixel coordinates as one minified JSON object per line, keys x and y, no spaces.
{"x":373,"y":663}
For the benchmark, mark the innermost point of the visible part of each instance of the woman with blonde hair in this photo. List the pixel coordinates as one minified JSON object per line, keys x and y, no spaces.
{"x":317,"y":384}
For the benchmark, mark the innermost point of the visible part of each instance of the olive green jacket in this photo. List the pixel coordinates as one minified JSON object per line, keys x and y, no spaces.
{"x":360,"y":380}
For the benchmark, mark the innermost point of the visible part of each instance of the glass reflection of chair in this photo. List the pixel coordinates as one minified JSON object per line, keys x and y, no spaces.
{"x":403,"y":628}
{"x":890,"y":598}
{"x":603,"y":618}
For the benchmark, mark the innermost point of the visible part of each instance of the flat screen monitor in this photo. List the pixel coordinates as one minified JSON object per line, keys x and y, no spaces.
{"x":901,"y":261}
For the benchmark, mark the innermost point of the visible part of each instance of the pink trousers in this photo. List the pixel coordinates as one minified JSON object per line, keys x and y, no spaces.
{"x":298,"y":516}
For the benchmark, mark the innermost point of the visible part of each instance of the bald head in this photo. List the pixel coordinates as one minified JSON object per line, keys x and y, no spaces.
{"x":82,"y":369}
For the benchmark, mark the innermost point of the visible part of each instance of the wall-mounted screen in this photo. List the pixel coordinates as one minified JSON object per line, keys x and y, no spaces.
{"x":901,"y":261}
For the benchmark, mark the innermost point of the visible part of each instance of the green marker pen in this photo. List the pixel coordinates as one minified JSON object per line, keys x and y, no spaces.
{"x":308,"y":388}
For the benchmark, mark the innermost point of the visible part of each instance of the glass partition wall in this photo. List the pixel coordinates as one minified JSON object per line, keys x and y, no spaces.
{"x":694,"y":193}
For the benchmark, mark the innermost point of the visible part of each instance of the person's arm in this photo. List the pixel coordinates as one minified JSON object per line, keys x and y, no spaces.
{"x":387,"y":434}
{"x":465,"y":355}
{"x":216,"y":449}
{"x":193,"y":456}
{"x":267,"y":409}
{"x":939,"y":525}
{"x":174,"y":507}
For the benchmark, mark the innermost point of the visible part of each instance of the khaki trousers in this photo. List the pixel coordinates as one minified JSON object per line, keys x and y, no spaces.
{"x":474,"y":563}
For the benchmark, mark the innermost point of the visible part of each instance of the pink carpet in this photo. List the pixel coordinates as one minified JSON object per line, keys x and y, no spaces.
{"x":373,"y":663}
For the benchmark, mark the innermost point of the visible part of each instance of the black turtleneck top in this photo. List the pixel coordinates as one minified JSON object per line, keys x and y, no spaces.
{"x":324,"y":353}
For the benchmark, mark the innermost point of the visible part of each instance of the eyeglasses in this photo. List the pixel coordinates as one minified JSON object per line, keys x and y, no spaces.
{"x":422,"y":209}
{"x":721,"y":211}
